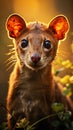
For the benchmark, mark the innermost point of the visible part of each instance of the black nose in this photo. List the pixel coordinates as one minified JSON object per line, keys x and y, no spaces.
{"x":35,"y":58}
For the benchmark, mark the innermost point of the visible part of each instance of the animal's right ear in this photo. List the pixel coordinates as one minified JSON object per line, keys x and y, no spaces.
{"x":15,"y":25}
{"x":59,"y":26}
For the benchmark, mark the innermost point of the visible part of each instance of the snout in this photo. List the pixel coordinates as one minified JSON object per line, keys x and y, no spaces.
{"x":35,"y":58}
{"x":34,"y":61}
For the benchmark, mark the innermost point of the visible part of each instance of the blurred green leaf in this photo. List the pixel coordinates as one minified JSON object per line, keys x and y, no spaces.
{"x":22,"y":123}
{"x":3,"y":126}
{"x":67,"y":91}
{"x":64,"y":116}
{"x":57,"y":107}
{"x":58,"y":61}
{"x":67,"y":64}
{"x":55,"y":123}
{"x":71,"y":79}
{"x":65,"y":79}
{"x":58,"y":71}
{"x":30,"y":128}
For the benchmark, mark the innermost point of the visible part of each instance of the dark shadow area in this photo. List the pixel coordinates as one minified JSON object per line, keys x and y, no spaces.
{"x":6,"y":8}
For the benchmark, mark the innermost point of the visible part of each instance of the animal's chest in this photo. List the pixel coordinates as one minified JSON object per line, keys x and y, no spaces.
{"x":31,"y":99}
{"x":35,"y":107}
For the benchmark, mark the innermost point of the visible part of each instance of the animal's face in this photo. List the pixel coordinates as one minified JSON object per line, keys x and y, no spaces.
{"x":36,"y":48}
{"x":36,"y":44}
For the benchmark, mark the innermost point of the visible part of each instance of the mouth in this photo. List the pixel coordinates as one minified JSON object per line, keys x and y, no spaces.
{"x":34,"y":66}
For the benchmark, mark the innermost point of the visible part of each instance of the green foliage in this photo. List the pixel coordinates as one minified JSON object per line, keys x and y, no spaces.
{"x":23,"y":123}
{"x":67,"y":79}
{"x":57,"y":107}
{"x":63,"y":118}
{"x":3,"y":126}
{"x":63,"y":121}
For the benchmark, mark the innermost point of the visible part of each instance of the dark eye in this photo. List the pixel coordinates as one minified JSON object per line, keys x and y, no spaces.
{"x":47,"y":44}
{"x":24,"y":43}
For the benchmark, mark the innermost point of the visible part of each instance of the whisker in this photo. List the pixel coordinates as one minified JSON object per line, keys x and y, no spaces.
{"x":10,"y":62}
{"x":12,"y":49}
{"x":10,"y":58}
{"x":10,"y":45}
{"x":10,"y":66}
{"x":11,"y":52}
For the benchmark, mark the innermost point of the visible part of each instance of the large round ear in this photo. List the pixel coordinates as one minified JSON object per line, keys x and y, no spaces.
{"x":15,"y":25}
{"x":59,"y":26}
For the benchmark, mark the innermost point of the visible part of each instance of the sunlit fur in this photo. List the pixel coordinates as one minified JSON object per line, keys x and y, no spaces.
{"x":32,"y":87}
{"x":36,"y":34}
{"x":11,"y":61}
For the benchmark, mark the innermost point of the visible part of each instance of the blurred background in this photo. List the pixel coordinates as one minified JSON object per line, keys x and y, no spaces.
{"x":30,"y":10}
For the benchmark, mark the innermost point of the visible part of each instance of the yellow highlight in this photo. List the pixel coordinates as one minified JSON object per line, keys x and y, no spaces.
{"x":59,"y":26}
{"x":35,"y":10}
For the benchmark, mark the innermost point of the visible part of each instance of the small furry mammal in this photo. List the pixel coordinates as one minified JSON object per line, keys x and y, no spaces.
{"x":32,"y":88}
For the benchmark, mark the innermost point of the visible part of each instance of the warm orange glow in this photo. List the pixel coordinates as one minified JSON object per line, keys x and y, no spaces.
{"x":43,"y":11}
{"x":60,"y":26}
{"x":35,"y":10}
{"x":15,"y":25}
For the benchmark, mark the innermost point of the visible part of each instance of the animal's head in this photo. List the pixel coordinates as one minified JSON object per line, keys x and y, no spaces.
{"x":36,"y":43}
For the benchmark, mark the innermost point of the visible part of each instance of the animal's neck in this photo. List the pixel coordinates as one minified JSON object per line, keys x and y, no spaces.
{"x":41,"y":78}
{"x":39,"y":82}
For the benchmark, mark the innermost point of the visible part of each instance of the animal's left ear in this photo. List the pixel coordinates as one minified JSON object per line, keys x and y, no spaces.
{"x":59,"y":26}
{"x":15,"y":25}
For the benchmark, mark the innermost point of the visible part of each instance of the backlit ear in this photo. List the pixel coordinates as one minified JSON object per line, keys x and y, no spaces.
{"x":59,"y":26}
{"x":15,"y":25}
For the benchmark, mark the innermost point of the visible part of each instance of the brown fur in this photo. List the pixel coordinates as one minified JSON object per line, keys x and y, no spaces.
{"x":32,"y":89}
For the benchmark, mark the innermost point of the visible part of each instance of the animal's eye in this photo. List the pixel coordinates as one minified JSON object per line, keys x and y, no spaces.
{"x":47,"y":44}
{"x":24,"y":43}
